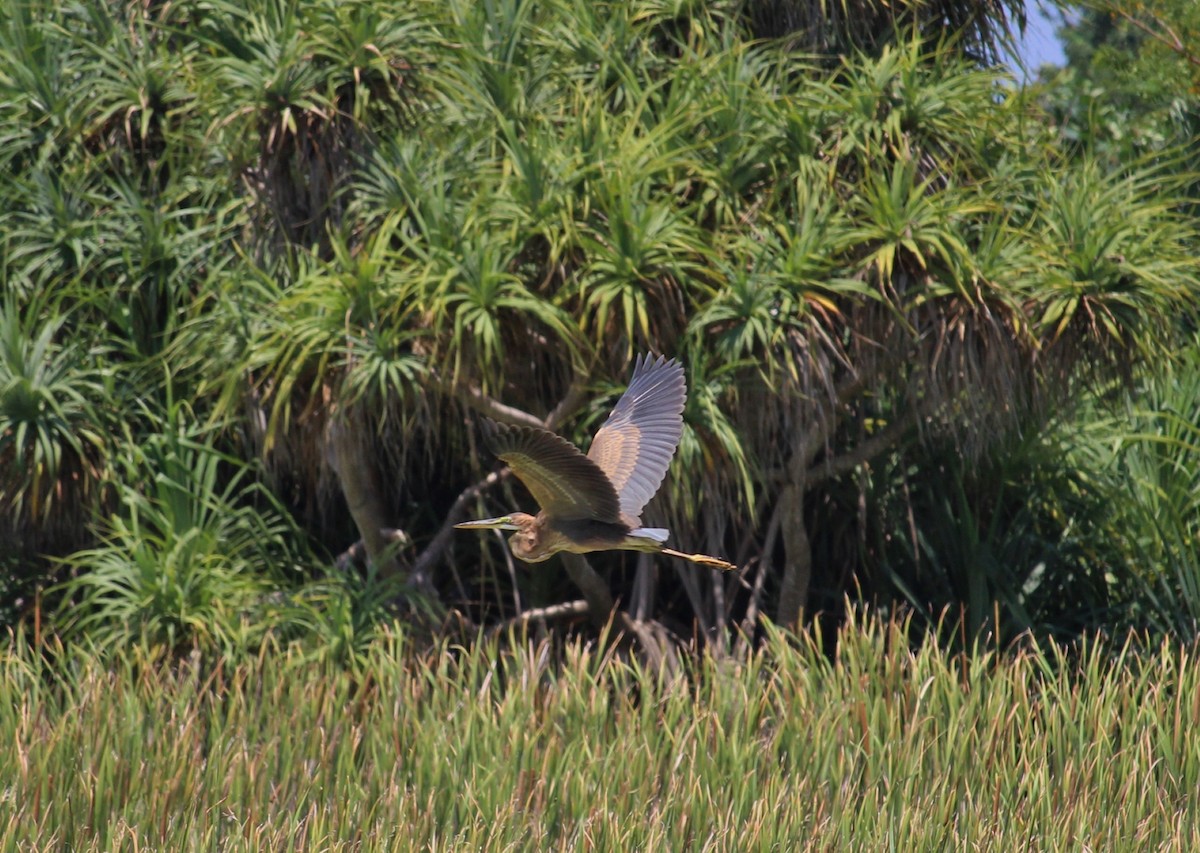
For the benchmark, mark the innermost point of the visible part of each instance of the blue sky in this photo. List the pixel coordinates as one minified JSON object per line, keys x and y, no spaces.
{"x":1039,"y":45}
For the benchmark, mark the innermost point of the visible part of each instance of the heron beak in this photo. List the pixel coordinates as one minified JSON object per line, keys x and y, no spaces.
{"x":504,"y":522}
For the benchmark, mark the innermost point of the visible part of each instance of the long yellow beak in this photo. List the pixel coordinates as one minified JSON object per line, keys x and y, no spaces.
{"x":504,"y":522}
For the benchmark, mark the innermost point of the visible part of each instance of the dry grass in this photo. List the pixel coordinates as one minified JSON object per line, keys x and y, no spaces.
{"x":521,"y":749}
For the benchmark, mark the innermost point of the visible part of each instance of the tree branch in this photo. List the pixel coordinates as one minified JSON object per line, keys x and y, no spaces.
{"x":566,"y":405}
{"x":861,"y":452}
{"x":750,"y":621}
{"x":479,"y":401}
{"x":600,"y":601}
{"x":356,"y":555}
{"x":433,"y":551}
{"x":1167,"y":37}
{"x":494,"y":409}
{"x":541,"y":614}
{"x":345,"y":436}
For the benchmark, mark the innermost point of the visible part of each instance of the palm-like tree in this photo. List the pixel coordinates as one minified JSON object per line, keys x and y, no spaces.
{"x":54,"y":428}
{"x":338,"y":230}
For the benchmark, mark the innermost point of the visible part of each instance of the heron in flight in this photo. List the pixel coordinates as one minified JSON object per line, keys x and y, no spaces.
{"x":595,"y":502}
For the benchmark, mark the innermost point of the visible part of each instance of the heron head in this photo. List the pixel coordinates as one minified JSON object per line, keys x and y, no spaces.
{"x":525,"y":542}
{"x":504,"y":522}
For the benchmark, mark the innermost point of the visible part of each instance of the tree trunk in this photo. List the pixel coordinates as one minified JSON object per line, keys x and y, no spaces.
{"x":651,"y":639}
{"x":802,"y":476}
{"x":594,"y":589}
{"x":359,"y":480}
{"x":797,"y":550}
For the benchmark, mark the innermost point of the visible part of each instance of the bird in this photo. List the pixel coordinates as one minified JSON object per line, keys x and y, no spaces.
{"x":595,"y":502}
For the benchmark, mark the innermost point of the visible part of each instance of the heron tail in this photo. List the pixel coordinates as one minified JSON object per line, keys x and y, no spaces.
{"x":656,"y":534}
{"x":702,"y":559}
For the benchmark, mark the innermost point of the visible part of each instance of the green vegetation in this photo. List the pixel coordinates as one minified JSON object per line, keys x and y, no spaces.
{"x":531,"y":746}
{"x":265,"y":264}
{"x":1132,"y":80}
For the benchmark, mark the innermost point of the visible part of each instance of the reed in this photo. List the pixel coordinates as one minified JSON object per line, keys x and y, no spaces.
{"x":518,"y":745}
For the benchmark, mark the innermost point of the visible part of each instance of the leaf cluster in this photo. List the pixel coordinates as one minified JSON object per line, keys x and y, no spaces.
{"x":304,"y":217}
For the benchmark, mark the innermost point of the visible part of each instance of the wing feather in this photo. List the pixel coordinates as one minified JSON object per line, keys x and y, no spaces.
{"x":565,"y":483}
{"x":636,"y":443}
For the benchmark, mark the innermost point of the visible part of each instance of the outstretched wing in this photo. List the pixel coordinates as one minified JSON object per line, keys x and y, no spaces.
{"x":565,"y":483}
{"x":636,"y":443}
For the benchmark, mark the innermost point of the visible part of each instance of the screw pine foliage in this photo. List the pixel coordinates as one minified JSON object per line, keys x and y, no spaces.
{"x":340,"y":230}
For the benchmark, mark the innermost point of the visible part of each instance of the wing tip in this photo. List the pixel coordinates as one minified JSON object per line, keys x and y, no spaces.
{"x":648,"y":362}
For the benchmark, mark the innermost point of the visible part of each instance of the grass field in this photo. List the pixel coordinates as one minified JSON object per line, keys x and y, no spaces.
{"x":522,"y":747}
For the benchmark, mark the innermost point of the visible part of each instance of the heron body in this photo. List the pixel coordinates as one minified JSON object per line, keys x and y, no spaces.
{"x":595,"y":502}
{"x":540,"y":537}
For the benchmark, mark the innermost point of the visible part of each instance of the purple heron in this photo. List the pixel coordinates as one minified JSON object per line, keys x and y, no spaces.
{"x":595,"y":502}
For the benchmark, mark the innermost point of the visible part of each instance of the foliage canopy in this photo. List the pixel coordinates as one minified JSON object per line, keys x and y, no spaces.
{"x":337,"y":232}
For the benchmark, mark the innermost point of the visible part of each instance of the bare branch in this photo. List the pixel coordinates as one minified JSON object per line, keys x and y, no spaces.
{"x":433,"y":551}
{"x":566,"y":405}
{"x":862,"y":452}
{"x":473,"y":397}
{"x":356,"y":554}
{"x":1164,"y":35}
{"x":494,"y":409}
{"x":360,"y":485}
{"x":541,"y":614}
{"x":498,"y":411}
{"x":595,"y":590}
{"x":764,"y":566}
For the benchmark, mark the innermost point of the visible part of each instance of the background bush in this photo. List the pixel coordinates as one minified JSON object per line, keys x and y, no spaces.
{"x":340,"y":233}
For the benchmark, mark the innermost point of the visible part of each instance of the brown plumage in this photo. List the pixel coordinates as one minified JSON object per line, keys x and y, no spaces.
{"x":595,"y":502}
